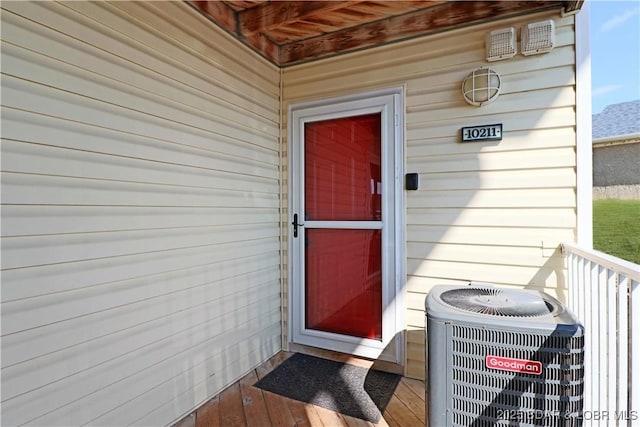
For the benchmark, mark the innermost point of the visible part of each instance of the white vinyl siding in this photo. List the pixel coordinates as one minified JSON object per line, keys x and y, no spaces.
{"x":140,"y":212}
{"x":485,"y":211}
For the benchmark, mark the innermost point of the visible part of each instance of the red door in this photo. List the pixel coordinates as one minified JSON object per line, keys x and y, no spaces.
{"x":343,"y":226}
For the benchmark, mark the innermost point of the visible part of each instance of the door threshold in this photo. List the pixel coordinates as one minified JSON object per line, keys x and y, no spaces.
{"x":363,"y":362}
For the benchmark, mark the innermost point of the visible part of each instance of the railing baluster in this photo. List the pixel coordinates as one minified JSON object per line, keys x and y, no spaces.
{"x":604,"y":295}
{"x":611,"y":316}
{"x":600,"y":316}
{"x":591,"y":376}
{"x":623,"y":343}
{"x":634,"y":364}
{"x":596,"y":337}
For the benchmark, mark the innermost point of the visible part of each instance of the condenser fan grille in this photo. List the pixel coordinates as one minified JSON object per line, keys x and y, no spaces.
{"x":497,"y":302}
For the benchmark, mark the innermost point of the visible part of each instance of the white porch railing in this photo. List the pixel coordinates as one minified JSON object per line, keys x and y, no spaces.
{"x":604,"y":294}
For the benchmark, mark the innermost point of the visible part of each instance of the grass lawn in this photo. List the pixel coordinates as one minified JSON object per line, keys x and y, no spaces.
{"x":616,"y":228}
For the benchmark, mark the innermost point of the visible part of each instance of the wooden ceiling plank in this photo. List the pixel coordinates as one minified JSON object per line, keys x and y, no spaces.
{"x":218,"y":12}
{"x":440,"y":17}
{"x":290,"y":33}
{"x":278,"y":13}
{"x":348,"y":18}
{"x":320,"y":26}
{"x":387,"y":8}
{"x":241,"y":5}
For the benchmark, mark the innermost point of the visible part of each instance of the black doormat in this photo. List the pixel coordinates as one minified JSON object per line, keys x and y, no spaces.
{"x":348,"y":389}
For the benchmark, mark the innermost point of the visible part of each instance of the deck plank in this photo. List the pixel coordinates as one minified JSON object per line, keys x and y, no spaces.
{"x":356,"y":422}
{"x":304,"y":414}
{"x":243,"y":405}
{"x":208,"y":415}
{"x":331,"y":418}
{"x":279,"y":413}
{"x":231,"y":408}
{"x":402,"y":415}
{"x":411,"y":400}
{"x":417,"y":386}
{"x":389,"y":420}
{"x":254,"y":406}
{"x":382,"y":422}
{"x":188,"y":421}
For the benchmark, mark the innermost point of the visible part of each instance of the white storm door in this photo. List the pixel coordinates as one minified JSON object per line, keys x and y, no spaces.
{"x":345,"y":234}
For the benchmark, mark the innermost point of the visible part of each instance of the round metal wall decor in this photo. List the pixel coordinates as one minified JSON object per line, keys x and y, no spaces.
{"x":481,"y":87}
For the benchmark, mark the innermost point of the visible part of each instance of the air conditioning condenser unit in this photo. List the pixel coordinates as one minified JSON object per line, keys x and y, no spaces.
{"x":497,"y":356}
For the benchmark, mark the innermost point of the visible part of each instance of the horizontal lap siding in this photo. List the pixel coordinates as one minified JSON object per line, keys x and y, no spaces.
{"x":488,"y":211}
{"x":140,"y":212}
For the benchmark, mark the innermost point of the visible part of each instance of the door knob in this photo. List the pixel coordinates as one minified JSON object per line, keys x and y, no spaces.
{"x":296,"y":224}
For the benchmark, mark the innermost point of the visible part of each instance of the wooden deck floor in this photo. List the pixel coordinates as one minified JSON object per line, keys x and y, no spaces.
{"x":242,"y":405}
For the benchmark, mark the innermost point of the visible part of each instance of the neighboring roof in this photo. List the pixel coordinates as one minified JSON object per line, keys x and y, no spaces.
{"x":617,"y":120}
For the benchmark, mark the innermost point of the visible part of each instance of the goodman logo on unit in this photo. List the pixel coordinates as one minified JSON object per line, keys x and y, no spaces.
{"x":514,"y":365}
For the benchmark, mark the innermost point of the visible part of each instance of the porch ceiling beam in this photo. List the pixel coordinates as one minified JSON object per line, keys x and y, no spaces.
{"x":219,"y":13}
{"x":264,"y":46}
{"x":437,"y":18}
{"x":278,"y":13}
{"x":223,"y":15}
{"x":573,"y":5}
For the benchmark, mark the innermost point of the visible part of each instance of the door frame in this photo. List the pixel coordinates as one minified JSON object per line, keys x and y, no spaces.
{"x":390,"y":103}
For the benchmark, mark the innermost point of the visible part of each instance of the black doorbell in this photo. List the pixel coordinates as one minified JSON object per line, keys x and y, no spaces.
{"x":411,"y":181}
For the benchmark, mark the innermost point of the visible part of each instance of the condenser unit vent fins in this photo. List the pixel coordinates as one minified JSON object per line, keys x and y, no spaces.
{"x":498,"y":302}
{"x":482,"y":396}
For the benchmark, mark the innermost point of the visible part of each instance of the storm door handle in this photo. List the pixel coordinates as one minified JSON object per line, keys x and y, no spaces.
{"x":296,"y":224}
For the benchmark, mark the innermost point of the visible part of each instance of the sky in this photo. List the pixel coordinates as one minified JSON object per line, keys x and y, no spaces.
{"x":615,"y":52}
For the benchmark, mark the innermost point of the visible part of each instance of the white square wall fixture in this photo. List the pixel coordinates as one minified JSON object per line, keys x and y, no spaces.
{"x":501,"y":44}
{"x":537,"y":37}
